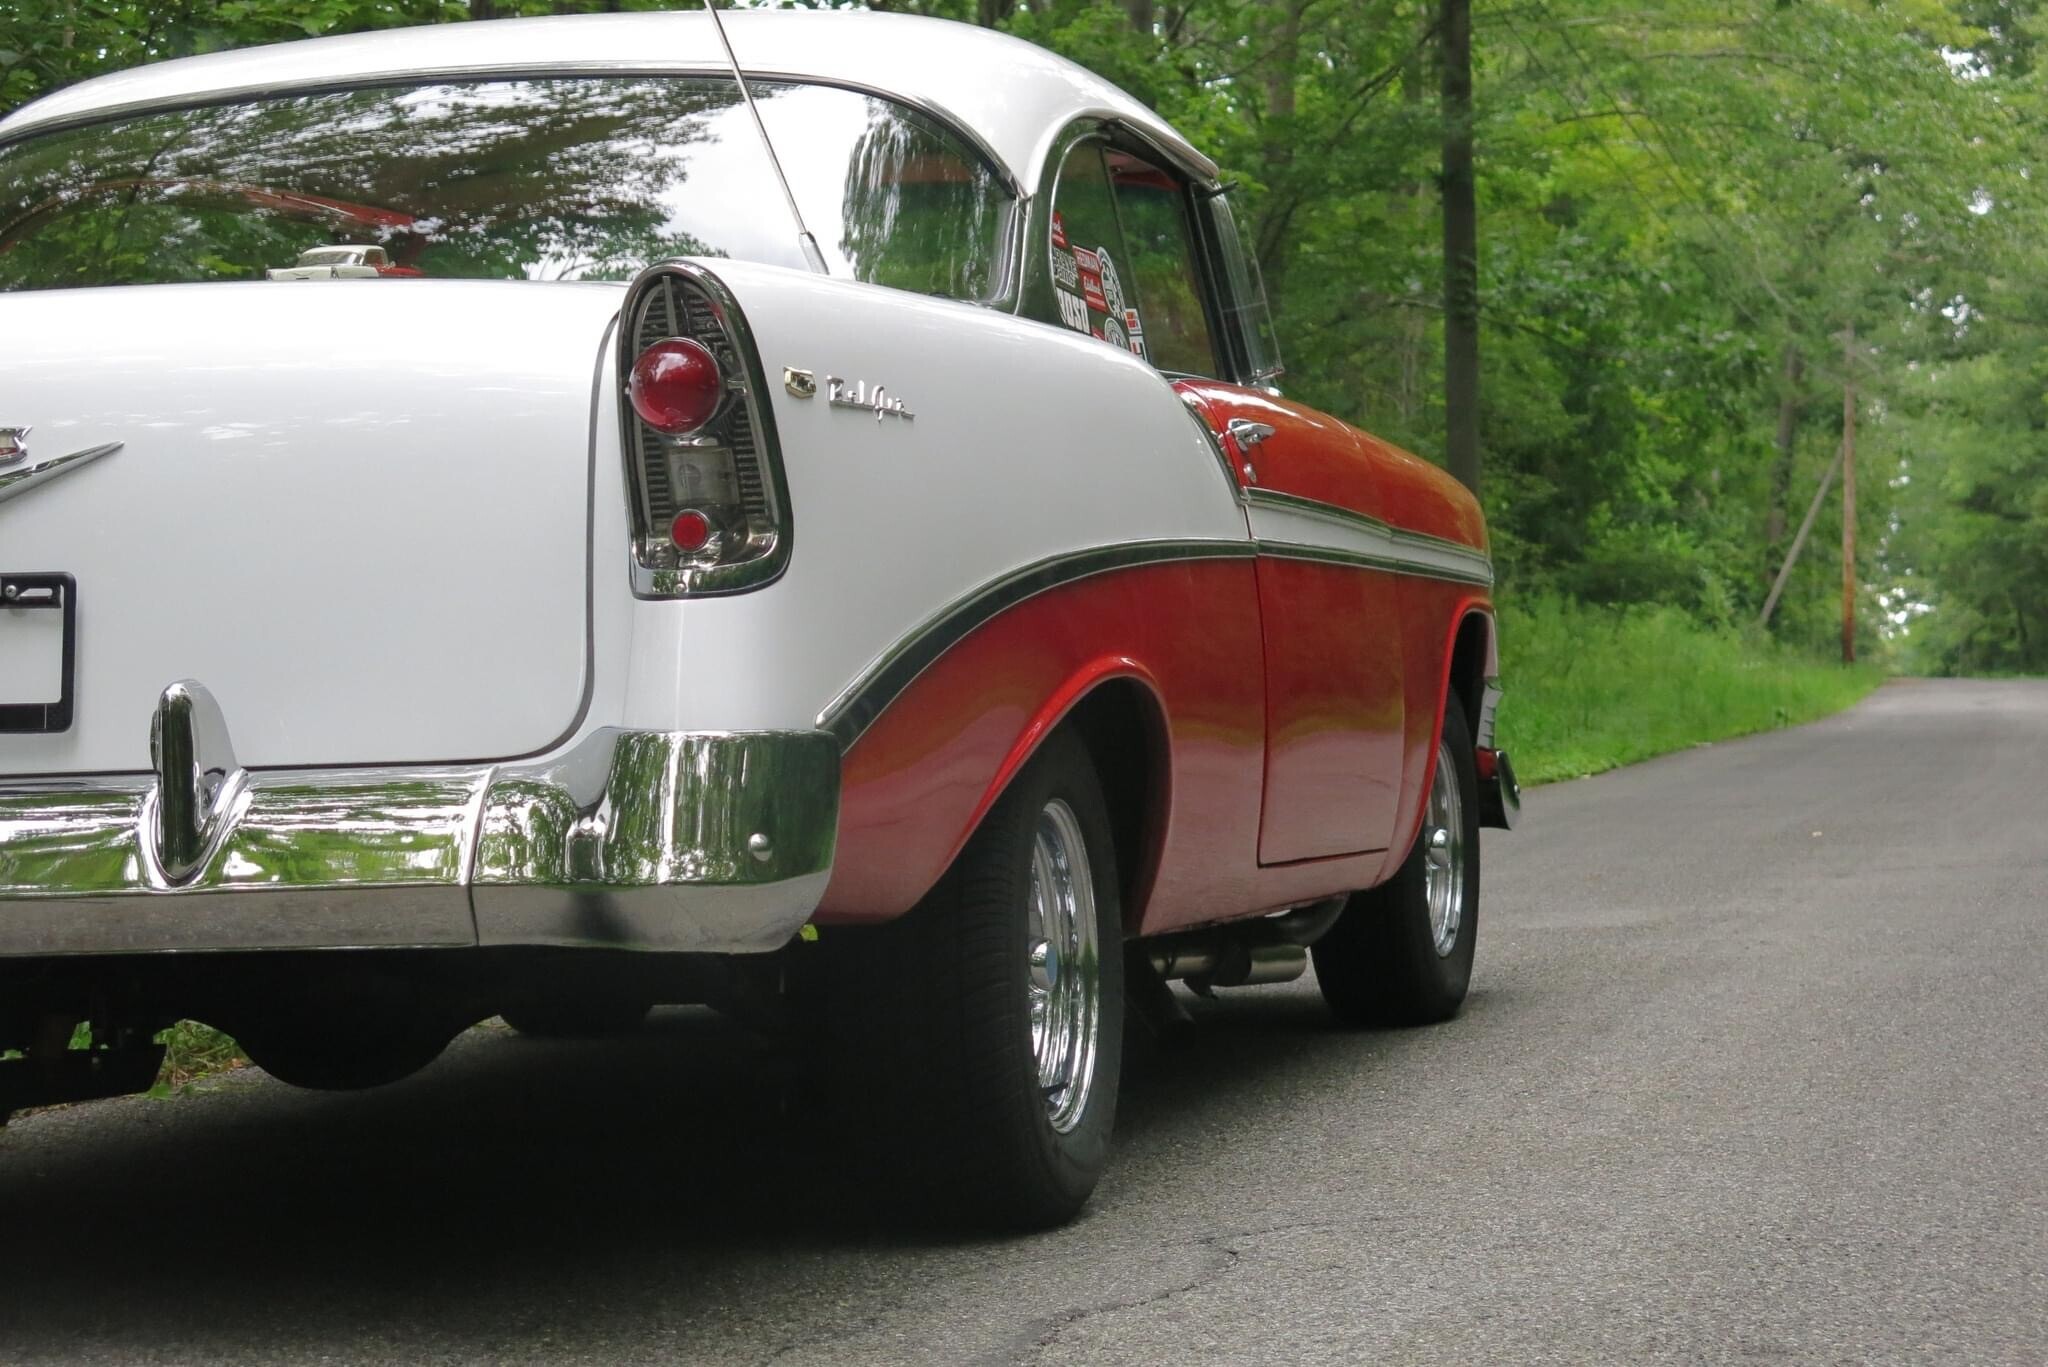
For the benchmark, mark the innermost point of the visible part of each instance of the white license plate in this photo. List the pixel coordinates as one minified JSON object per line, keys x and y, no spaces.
{"x":36,"y":615}
{"x":31,"y":654}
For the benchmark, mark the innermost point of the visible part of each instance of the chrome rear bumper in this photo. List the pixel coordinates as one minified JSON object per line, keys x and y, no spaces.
{"x":684,"y":841}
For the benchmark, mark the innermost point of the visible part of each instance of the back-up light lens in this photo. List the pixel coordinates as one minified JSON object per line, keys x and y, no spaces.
{"x":675,"y":386}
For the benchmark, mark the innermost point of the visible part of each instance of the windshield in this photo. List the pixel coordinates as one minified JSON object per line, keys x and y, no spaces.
{"x":548,"y":179}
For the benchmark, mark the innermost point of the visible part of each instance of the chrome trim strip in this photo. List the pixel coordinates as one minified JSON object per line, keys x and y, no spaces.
{"x":15,"y":483}
{"x":884,"y":679}
{"x":1388,"y":564}
{"x":711,"y":842}
{"x":1397,"y":549}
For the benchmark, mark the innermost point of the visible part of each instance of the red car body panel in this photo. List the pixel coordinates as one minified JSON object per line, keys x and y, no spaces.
{"x":1292,"y":707}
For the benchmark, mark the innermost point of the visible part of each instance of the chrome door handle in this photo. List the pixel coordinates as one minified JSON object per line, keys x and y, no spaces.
{"x":1248,"y":433}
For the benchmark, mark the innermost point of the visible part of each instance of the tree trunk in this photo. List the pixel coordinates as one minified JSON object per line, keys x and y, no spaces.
{"x":1461,"y":249}
{"x":1849,"y":502}
{"x":1413,"y":323}
{"x":1277,"y":142}
{"x":1789,"y":406}
{"x":1141,"y":14}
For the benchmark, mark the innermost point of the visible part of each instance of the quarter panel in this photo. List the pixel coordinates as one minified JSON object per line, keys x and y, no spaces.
{"x":1027,"y":443}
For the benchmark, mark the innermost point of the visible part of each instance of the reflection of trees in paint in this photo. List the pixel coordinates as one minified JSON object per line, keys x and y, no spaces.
{"x":544,"y":179}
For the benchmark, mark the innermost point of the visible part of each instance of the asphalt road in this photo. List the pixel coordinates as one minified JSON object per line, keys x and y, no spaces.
{"x":1752,"y":1070}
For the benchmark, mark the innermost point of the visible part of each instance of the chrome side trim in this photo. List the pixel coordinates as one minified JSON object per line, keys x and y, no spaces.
{"x":15,"y":483}
{"x":1300,"y":529}
{"x":885,"y":677}
{"x":716,"y":842}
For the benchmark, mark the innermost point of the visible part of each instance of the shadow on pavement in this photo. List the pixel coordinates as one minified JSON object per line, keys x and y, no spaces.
{"x":588,"y":1176}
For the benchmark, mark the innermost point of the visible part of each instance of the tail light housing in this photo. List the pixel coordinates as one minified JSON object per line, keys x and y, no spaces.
{"x":710,"y":510}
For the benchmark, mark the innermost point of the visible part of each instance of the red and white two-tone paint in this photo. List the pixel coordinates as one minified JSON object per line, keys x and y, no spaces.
{"x":903,"y":607}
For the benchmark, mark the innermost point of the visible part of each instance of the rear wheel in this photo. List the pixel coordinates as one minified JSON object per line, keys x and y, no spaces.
{"x":337,"y":1054}
{"x":986,"y":1027}
{"x":1401,"y":954}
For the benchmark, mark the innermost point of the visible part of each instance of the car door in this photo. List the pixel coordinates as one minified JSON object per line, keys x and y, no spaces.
{"x":1142,"y":262}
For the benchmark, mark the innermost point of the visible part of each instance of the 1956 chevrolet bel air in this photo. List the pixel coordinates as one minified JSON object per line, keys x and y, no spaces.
{"x":803,"y":521}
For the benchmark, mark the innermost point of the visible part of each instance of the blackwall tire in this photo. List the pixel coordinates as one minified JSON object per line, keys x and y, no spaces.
{"x":1401,"y":954}
{"x":341,"y":1056}
{"x":979,"y":1038}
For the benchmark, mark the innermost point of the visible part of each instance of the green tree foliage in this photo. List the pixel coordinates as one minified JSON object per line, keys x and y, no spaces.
{"x":1700,"y":221}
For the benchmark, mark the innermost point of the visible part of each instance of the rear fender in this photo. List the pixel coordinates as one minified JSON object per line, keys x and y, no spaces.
{"x":1436,"y":614}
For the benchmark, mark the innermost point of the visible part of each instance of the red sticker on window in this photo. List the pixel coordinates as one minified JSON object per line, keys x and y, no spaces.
{"x":1088,"y":261}
{"x":1091,"y":290}
{"x":1059,"y":229}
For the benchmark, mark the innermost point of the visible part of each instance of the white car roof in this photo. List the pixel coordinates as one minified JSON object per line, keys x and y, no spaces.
{"x":1011,"y":94}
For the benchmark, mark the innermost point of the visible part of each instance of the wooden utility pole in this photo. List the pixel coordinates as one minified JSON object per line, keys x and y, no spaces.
{"x":1827,"y":481}
{"x":1849,"y":496}
{"x":1461,"y":248}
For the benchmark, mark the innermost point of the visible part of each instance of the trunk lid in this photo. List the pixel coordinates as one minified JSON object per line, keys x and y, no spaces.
{"x":357,"y":511}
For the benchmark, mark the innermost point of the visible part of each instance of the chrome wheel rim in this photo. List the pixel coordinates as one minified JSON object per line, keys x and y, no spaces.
{"x":1443,"y":854}
{"x":1066,"y":969}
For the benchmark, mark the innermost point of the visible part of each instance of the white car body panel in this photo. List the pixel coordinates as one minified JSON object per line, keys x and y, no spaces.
{"x":1028,"y":441}
{"x":358,"y":514}
{"x":942,"y":65}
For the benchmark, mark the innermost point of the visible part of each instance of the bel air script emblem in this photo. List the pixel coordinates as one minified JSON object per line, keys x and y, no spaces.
{"x":14,"y":444}
{"x":859,"y":394}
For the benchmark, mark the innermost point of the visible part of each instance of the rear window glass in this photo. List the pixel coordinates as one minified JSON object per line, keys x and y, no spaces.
{"x":554,"y":179}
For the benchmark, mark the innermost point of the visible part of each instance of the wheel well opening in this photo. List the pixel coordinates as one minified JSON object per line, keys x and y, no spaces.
{"x":1125,"y":732}
{"x":1468,"y":664}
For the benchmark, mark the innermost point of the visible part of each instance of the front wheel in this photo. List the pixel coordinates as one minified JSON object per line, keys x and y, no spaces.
{"x":1401,"y":954}
{"x":987,"y":1025}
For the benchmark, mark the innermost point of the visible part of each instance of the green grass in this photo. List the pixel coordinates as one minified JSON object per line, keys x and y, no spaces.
{"x":1592,"y":688}
{"x":193,"y":1051}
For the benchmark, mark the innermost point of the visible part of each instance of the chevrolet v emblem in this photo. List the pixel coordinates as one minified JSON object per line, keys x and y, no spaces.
{"x":15,"y":483}
{"x":14,"y":444}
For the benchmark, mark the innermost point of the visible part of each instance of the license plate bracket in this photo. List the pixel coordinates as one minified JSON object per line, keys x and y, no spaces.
{"x":42,"y":592}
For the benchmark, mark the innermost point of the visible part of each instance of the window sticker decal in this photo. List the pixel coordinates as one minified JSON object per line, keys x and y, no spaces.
{"x":1059,"y":229}
{"x":1073,"y":309}
{"x":1065,"y":274}
{"x":1090,"y":264}
{"x":1111,"y":287}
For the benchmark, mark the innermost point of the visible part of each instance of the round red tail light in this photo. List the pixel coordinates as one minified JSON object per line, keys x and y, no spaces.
{"x":675,"y":386}
{"x":691,"y":531}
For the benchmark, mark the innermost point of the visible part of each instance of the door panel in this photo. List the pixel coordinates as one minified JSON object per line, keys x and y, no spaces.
{"x":1334,"y":704}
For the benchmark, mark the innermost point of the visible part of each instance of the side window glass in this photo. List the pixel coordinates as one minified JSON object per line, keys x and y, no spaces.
{"x":1246,"y":314}
{"x":1086,"y":251}
{"x":1168,"y":311}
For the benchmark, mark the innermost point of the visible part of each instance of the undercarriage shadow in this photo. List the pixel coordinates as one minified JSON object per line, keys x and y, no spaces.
{"x":582,"y":1176}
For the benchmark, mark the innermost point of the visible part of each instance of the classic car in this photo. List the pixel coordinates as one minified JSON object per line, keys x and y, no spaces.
{"x":884,"y":595}
{"x":340,"y":263}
